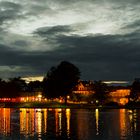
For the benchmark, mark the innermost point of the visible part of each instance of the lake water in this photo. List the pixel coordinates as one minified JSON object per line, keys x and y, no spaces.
{"x":73,"y":124}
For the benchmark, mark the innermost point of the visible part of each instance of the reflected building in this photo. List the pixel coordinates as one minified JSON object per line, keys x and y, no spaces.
{"x":62,"y":117}
{"x":124,"y":124}
{"x":134,"y":116}
{"x":5,"y":121}
{"x":45,"y":121}
{"x":80,"y":124}
{"x":97,"y":121}
{"x":27,"y":121}
{"x":58,"y":121}
{"x":33,"y":121}
{"x":68,"y":121}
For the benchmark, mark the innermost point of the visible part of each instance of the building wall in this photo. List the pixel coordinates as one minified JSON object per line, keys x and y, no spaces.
{"x":120,"y":96}
{"x":83,"y":88}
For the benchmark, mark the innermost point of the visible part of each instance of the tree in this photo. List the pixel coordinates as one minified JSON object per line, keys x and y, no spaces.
{"x":35,"y":86}
{"x":135,"y":91}
{"x":15,"y":86}
{"x":101,"y":92}
{"x":60,"y":80}
{"x":12,"y":88}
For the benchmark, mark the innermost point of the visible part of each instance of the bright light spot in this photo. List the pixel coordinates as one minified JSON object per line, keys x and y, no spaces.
{"x":33,"y":78}
{"x":97,"y":101}
{"x":39,"y":96}
{"x":115,"y":82}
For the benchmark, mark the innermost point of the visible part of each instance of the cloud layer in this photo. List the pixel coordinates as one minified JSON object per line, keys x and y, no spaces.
{"x":101,"y":37}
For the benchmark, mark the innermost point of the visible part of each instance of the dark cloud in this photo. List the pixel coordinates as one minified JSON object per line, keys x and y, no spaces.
{"x":133,"y":25}
{"x":53,"y":31}
{"x":110,"y":55}
{"x":103,"y":57}
{"x":35,"y":9}
{"x":21,"y":43}
{"x":9,"y":5}
{"x":107,"y":57}
{"x":9,"y":11}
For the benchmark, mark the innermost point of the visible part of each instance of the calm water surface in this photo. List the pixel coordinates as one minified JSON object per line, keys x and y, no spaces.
{"x":73,"y":124}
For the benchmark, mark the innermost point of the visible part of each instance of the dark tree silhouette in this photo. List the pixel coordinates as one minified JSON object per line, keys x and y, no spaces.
{"x":16,"y":86}
{"x":12,"y":88}
{"x":3,"y":88}
{"x":60,"y":80}
{"x":35,"y":86}
{"x":101,"y":92}
{"x":135,"y":91}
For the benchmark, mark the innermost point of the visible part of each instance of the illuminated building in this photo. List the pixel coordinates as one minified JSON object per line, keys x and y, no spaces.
{"x":26,"y":97}
{"x":31,"y":97}
{"x":84,"y":87}
{"x":120,"y":96}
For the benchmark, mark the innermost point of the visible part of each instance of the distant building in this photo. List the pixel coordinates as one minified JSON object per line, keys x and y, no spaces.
{"x":26,"y":97}
{"x":120,"y":95}
{"x":84,"y":87}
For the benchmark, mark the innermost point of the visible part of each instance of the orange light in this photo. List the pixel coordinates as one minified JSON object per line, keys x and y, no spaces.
{"x":39,"y":96}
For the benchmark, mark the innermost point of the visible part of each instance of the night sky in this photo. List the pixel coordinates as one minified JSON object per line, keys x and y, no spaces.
{"x":101,"y":37}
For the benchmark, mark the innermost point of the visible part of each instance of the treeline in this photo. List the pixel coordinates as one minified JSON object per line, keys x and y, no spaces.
{"x":14,"y":87}
{"x":60,"y":81}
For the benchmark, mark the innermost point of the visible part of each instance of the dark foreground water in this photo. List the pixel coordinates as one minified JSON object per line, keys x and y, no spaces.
{"x":74,"y":124}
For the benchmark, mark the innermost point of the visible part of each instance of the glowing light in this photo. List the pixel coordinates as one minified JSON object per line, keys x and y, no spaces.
{"x":97,"y":101}
{"x":39,"y":96}
{"x":22,"y":99}
{"x":33,"y":98}
{"x":123,"y":101}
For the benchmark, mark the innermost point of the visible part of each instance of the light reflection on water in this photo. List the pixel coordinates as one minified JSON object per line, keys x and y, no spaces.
{"x":75,"y":124}
{"x":97,"y":121}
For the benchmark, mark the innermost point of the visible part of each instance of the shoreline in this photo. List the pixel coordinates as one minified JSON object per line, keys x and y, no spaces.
{"x":61,"y":105}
